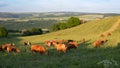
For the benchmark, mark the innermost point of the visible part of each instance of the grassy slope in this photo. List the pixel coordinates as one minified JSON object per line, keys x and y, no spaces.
{"x":90,"y":31}
{"x":83,"y":57}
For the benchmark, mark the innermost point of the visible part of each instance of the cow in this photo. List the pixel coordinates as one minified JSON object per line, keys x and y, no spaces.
{"x":12,"y":49}
{"x":49,"y":43}
{"x":108,"y":34}
{"x":60,"y":47}
{"x":70,"y":46}
{"x":98,"y":43}
{"x":9,"y":48}
{"x":27,"y":43}
{"x":39,"y":49}
{"x":83,"y":40}
{"x":101,"y":35}
{"x":72,"y":42}
{"x":4,"y":46}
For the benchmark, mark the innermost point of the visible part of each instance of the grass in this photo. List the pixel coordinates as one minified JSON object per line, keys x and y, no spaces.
{"x":85,"y":56}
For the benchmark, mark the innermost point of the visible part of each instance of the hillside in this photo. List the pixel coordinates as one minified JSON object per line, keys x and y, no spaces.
{"x":91,"y":31}
{"x":85,"y":56}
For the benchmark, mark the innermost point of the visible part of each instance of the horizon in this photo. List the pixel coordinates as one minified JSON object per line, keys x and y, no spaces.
{"x":65,"y":12}
{"x":41,"y":6}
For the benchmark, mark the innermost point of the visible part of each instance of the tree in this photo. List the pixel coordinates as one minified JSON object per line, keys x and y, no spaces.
{"x":73,"y":21}
{"x":62,"y":26}
{"x":55,"y":27}
{"x":3,"y":32}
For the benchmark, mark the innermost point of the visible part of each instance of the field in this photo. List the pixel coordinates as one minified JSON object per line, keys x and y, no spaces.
{"x":85,"y":56}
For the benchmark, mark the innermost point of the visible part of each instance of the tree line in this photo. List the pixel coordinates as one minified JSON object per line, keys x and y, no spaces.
{"x":71,"y":22}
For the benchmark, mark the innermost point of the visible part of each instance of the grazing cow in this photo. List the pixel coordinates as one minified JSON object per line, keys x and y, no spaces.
{"x":4,"y":46}
{"x":9,"y":48}
{"x":27,"y":43}
{"x":72,"y":42}
{"x":70,"y":46}
{"x":103,"y":40}
{"x":49,"y":43}
{"x":39,"y":49}
{"x":83,"y":40}
{"x":108,"y":34}
{"x":59,"y":46}
{"x":101,"y":35}
{"x":12,"y":49}
{"x":97,"y":43}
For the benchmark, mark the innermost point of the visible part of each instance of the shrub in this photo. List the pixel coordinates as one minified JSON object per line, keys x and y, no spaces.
{"x":33,"y":31}
{"x":62,"y":26}
{"x":3,"y":32}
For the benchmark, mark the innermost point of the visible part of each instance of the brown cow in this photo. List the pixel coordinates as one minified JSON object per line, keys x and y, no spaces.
{"x":9,"y":48}
{"x":39,"y":49}
{"x":97,"y":43}
{"x":72,"y":42}
{"x":59,"y":46}
{"x":83,"y":40}
{"x":4,"y":46}
{"x":12,"y":49}
{"x":101,"y":35}
{"x":108,"y":34}
{"x":49,"y":43}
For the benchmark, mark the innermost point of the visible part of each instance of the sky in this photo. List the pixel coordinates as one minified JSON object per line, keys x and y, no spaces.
{"x":98,"y":6}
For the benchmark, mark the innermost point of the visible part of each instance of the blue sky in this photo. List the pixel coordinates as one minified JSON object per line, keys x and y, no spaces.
{"x":102,"y":6}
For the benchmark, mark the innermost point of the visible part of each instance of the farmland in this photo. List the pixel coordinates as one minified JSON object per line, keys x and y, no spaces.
{"x":85,"y":56}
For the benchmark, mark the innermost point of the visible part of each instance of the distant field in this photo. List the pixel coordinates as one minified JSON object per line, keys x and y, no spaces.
{"x":19,"y":25}
{"x":25,"y":23}
{"x":84,"y":17}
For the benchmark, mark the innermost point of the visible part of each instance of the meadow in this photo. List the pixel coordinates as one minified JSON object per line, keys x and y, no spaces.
{"x":85,"y":56}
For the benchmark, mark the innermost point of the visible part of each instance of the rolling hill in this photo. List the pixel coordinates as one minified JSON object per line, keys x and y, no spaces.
{"x":91,"y":31}
{"x":85,"y":56}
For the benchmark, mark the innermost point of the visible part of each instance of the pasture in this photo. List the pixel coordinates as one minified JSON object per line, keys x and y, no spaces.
{"x":85,"y":56}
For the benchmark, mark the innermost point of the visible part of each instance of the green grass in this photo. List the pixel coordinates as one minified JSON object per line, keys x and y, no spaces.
{"x":85,"y":56}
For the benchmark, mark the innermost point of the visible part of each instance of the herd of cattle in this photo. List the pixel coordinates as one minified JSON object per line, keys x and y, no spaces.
{"x":62,"y":45}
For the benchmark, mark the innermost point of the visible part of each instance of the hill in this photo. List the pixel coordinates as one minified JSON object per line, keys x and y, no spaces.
{"x":90,"y":31}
